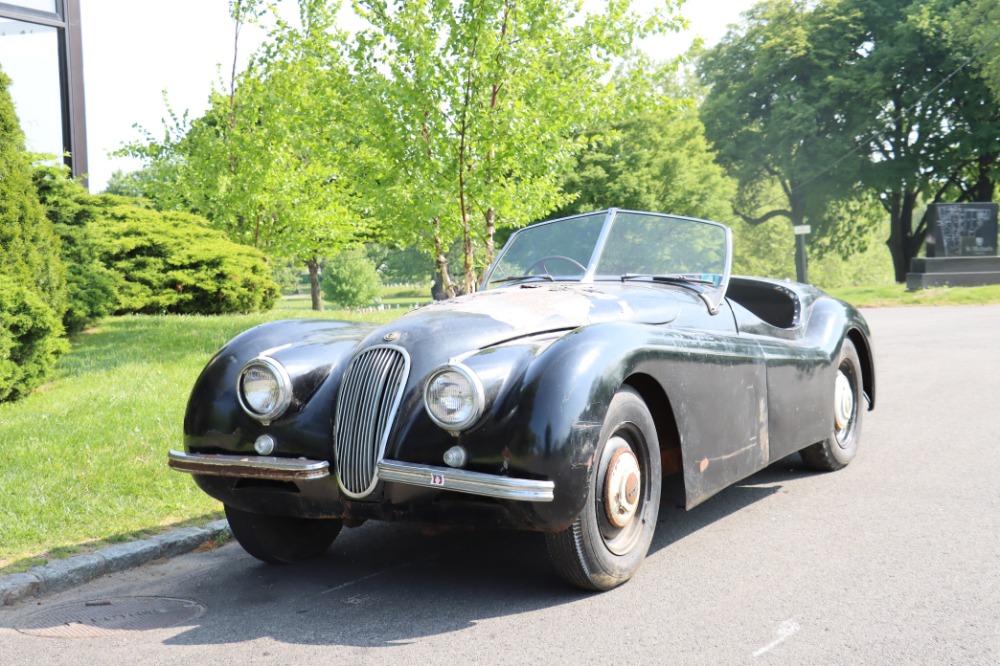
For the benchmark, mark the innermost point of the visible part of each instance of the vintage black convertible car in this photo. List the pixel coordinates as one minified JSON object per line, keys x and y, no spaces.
{"x":602,"y":353}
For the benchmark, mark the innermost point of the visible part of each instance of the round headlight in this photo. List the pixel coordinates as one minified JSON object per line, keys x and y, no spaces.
{"x":453,"y":396}
{"x":264,"y":389}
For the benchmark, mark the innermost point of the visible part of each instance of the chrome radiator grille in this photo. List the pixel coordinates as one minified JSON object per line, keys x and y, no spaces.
{"x":369,"y":397}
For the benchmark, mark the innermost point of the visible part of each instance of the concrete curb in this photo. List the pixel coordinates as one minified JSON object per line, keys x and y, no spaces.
{"x":63,"y":574}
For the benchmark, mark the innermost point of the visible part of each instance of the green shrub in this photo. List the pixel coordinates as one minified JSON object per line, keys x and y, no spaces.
{"x":30,"y":339}
{"x":125,"y":257}
{"x":350,"y":280}
{"x":92,"y":288}
{"x":175,"y":263}
{"x":32,"y":276}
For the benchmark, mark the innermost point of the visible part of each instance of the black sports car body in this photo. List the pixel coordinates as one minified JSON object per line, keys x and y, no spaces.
{"x":602,"y":353}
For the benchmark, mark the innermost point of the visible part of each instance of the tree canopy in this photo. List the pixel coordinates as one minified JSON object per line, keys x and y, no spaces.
{"x":846,"y":100}
{"x":475,"y":107}
{"x":441,"y":124}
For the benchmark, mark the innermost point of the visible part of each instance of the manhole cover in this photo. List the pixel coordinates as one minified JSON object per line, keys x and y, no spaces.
{"x":106,"y":617}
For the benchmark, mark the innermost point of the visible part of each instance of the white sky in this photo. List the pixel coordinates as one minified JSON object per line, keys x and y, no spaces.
{"x":135,"y":51}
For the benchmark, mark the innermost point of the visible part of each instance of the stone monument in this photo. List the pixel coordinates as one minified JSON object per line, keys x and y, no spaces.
{"x":961,"y":248}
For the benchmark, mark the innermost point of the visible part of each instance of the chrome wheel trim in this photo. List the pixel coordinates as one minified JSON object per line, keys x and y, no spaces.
{"x":621,"y":504}
{"x":622,"y":485}
{"x":843,"y":401}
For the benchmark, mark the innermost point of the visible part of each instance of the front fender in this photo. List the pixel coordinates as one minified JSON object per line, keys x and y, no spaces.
{"x":214,"y":422}
{"x":556,"y":411}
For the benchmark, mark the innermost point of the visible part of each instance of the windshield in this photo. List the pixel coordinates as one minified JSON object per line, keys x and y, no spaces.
{"x":619,"y":245}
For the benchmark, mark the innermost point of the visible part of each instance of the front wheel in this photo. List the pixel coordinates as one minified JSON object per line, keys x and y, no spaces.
{"x":840,"y":447}
{"x":282,"y":539}
{"x":608,"y":541}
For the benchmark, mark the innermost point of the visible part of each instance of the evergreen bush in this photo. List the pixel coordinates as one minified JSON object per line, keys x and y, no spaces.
{"x":175,"y":263}
{"x":124,"y":257}
{"x":32,"y":275}
{"x":30,"y":339}
{"x":92,"y":288}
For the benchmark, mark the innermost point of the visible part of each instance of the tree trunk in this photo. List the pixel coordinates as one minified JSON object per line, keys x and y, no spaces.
{"x":903,"y":246}
{"x":317,"y":297}
{"x":491,"y":230}
{"x":984,"y":188}
{"x":441,"y":261}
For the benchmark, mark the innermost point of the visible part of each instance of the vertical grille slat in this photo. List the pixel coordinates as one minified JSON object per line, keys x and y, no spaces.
{"x":369,"y":397}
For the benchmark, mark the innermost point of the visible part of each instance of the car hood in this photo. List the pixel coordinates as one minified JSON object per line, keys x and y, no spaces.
{"x":488,"y":318}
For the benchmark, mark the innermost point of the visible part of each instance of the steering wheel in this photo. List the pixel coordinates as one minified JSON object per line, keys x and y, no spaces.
{"x":540,"y":263}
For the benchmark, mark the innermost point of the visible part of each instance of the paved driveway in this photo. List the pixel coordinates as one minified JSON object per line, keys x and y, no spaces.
{"x":895,"y":559}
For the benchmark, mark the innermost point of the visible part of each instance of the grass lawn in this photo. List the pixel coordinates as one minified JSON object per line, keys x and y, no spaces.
{"x":896,"y":295}
{"x":83,"y":459}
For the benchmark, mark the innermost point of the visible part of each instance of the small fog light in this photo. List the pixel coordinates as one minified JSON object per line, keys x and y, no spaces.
{"x":456,"y":457}
{"x":264,"y":445}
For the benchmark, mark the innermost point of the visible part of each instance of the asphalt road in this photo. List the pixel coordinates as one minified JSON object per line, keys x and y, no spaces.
{"x":894,"y":560}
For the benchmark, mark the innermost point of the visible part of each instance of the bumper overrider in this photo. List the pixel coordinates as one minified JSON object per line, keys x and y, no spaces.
{"x":392,"y":471}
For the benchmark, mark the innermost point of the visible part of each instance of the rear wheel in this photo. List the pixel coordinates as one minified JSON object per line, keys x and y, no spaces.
{"x":282,"y":539}
{"x":837,"y":450}
{"x":608,"y":541}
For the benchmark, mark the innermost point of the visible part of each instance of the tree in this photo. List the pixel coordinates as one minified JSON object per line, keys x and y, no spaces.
{"x":476,"y":106}
{"x":843,"y":101}
{"x":266,"y":161}
{"x":777,"y":115}
{"x":32,"y":275}
{"x":406,"y":265}
{"x":933,"y":130}
{"x":124,"y":257}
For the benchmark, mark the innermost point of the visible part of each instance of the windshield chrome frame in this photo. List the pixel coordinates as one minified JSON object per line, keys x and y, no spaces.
{"x":713,"y":296}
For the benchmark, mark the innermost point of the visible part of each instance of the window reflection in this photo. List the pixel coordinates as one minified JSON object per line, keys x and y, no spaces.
{"x":29,"y":55}
{"x":41,"y":5}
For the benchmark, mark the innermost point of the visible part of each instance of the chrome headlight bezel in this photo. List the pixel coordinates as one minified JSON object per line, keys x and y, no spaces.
{"x":475,"y":396}
{"x":282,"y":381}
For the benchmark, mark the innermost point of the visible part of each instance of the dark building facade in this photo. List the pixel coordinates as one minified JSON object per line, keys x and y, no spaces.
{"x":41,"y":51}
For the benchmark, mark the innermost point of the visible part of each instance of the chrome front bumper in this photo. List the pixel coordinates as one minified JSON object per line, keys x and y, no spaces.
{"x":428,"y":476}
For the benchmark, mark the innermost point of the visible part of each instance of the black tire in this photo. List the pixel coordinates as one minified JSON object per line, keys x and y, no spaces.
{"x":595,"y":553}
{"x":282,"y":539}
{"x":839,"y":449}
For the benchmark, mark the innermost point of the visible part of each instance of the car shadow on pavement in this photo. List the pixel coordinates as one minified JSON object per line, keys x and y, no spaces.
{"x":675,"y":523}
{"x":382,"y":584}
{"x":388,"y":584}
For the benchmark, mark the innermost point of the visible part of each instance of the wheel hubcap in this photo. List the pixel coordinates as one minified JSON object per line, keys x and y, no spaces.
{"x":843,"y":401}
{"x":622,"y":487}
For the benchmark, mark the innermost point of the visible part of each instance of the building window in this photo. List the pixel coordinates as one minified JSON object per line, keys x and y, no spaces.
{"x":40,"y":51}
{"x":29,"y":55}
